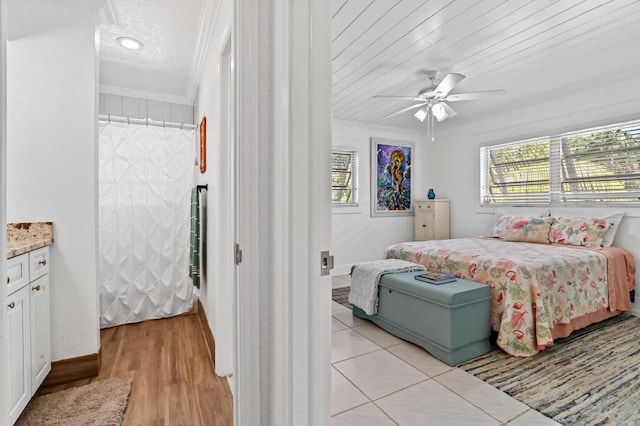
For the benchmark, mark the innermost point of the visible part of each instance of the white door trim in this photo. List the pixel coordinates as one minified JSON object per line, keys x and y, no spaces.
{"x":310,"y":205}
{"x":317,"y":65}
{"x":284,"y":135}
{"x":248,"y":374}
{"x":4,"y":383}
{"x":225,"y":288}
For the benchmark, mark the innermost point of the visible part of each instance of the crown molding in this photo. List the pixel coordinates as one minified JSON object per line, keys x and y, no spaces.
{"x":107,"y":15}
{"x":208,"y":18}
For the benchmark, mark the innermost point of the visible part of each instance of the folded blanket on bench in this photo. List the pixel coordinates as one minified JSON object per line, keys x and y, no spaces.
{"x":365,"y":278}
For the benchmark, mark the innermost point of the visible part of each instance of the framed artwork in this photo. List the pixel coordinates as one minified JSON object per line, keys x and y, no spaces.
{"x":203,"y":145}
{"x":391,"y":177}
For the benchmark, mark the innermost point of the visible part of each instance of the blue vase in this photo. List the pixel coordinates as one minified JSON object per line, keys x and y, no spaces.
{"x":431,"y":195}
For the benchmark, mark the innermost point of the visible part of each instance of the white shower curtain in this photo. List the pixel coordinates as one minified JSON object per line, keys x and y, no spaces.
{"x":146,"y":176}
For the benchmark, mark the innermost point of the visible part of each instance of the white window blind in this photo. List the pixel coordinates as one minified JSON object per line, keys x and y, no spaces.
{"x":516,"y":173}
{"x":598,"y":165}
{"x":601,"y":164}
{"x":344,"y":178}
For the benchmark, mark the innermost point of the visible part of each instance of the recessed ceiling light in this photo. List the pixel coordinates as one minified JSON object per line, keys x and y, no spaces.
{"x":129,"y":43}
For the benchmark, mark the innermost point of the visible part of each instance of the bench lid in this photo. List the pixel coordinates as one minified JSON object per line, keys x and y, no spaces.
{"x":452,"y":293}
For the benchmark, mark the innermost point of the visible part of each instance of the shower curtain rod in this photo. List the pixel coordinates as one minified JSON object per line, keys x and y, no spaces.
{"x":145,"y":122}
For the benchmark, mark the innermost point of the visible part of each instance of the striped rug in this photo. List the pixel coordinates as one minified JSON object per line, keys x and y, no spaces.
{"x":341,"y":296}
{"x":589,"y":378}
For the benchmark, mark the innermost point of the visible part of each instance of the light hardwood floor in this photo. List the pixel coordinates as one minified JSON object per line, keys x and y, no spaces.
{"x":173,"y":378}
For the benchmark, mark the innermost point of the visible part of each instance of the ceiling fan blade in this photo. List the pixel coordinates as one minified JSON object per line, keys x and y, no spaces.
{"x":471,"y":95}
{"x":406,"y":109}
{"x":408,"y":98}
{"x":448,"y":83}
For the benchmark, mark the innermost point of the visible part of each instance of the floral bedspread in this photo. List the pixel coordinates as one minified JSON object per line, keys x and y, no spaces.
{"x":534,"y":286}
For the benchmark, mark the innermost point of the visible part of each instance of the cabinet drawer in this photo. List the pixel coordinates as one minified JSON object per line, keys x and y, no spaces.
{"x":38,"y":263}
{"x":425,"y":206}
{"x":17,"y":273}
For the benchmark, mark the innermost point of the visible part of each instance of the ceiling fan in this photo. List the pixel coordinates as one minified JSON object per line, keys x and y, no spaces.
{"x":431,"y":99}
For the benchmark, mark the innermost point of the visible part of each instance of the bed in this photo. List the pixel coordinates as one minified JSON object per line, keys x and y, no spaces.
{"x":540,"y":292}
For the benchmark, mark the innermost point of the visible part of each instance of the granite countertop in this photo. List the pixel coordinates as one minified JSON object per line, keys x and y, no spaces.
{"x":28,"y":236}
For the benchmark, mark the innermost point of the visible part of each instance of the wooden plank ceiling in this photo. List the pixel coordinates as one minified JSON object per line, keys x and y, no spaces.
{"x":533,"y":49}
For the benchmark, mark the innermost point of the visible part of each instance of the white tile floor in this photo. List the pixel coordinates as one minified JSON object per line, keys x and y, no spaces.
{"x":379,"y":379}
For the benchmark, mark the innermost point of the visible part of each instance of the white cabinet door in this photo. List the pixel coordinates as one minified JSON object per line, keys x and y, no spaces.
{"x":441,"y":220}
{"x":40,"y":331}
{"x":18,"y":319}
{"x":424,"y":220}
{"x":424,"y":228}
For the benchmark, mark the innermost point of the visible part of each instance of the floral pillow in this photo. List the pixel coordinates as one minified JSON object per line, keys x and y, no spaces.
{"x":503,"y":224}
{"x":579,"y":231}
{"x":614,"y":218}
{"x":503,"y":221}
{"x":530,"y":230}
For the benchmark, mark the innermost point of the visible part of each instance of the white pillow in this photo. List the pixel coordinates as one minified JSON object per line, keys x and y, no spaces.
{"x":613,"y":217}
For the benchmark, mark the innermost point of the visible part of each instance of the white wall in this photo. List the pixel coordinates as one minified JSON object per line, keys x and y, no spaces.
{"x":454,"y":166}
{"x":216,"y":287}
{"x":52,"y":169}
{"x":356,"y":236}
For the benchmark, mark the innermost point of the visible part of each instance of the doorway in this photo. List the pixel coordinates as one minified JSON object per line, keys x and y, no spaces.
{"x":228,"y":169}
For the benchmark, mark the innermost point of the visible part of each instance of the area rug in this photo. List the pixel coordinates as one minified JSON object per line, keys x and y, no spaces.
{"x":589,"y":378}
{"x":99,"y":404}
{"x":341,"y":296}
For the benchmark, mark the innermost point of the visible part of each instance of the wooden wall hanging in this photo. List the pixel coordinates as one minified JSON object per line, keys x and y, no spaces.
{"x":203,"y":145}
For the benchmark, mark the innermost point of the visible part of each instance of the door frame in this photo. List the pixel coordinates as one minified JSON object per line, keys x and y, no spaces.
{"x":284,"y":147}
{"x":247,"y":374}
{"x":4,"y":383}
{"x":225,"y":293}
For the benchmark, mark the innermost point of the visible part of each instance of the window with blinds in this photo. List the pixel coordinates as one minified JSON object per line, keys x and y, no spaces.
{"x":599,"y":165}
{"x":344,"y":178}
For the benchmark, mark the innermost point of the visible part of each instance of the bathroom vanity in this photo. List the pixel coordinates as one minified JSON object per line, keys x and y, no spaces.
{"x":28,"y":311}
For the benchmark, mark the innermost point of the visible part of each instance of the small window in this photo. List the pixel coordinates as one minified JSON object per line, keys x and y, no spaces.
{"x":600,"y":165}
{"x":344,"y":177}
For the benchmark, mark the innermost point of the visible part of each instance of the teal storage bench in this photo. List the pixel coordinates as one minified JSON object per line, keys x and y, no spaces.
{"x":451,"y":321}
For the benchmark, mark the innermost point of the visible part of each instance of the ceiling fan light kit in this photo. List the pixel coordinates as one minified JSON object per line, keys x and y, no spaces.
{"x":421,"y":114}
{"x":439,"y":112}
{"x":431,"y":99}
